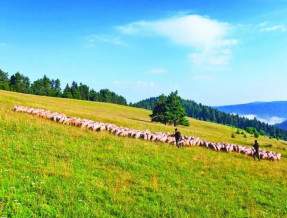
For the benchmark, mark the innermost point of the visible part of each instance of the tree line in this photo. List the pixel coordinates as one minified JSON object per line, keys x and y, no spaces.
{"x":50,"y":87}
{"x":206,"y":113}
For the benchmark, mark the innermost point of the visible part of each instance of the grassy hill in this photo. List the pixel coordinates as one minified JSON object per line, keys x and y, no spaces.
{"x":49,"y":169}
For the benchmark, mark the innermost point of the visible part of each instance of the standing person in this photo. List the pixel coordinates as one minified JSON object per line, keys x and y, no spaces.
{"x":256,"y":153}
{"x":178,"y":137}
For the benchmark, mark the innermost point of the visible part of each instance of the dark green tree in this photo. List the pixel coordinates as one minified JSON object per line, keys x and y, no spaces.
{"x":19,"y":83}
{"x":4,"y":80}
{"x":67,"y":92}
{"x":37,"y":87}
{"x":175,"y":113}
{"x":56,"y":88}
{"x":84,"y":91}
{"x":47,"y":86}
{"x":93,"y":96}
{"x":75,"y":90}
{"x":159,"y":111}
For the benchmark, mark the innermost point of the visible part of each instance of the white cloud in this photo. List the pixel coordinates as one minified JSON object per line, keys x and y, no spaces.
{"x":263,"y":24}
{"x":264,"y":28}
{"x":270,"y":120}
{"x":157,"y":71}
{"x":94,"y":39}
{"x":274,"y":120}
{"x":248,"y":116}
{"x":209,"y":39}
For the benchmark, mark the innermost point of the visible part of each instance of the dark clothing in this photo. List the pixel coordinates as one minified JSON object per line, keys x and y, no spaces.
{"x":256,"y":146}
{"x":256,"y":153}
{"x":178,"y":137}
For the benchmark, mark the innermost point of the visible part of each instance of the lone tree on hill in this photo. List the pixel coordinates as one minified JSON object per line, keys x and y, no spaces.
{"x":169,"y":110}
{"x":159,"y":111}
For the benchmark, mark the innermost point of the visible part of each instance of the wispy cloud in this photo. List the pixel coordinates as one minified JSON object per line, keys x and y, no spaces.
{"x":263,"y":24}
{"x":208,"y":39}
{"x":265,"y":28}
{"x":92,"y":40}
{"x":273,"y":28}
{"x":270,"y":120}
{"x":157,"y":71}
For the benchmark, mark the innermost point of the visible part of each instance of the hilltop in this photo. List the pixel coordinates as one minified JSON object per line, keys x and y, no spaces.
{"x":48,"y":169}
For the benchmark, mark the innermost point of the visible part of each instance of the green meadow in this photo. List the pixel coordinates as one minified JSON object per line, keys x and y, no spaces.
{"x":53,"y":170}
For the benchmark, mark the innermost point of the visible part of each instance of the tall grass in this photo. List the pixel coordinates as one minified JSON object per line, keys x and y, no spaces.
{"x":48,"y":169}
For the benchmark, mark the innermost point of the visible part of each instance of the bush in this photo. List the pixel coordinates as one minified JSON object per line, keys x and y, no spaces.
{"x":250,"y":130}
{"x":242,"y":133}
{"x":238,"y":131}
{"x":232,"y":135}
{"x":256,"y":134}
{"x":245,"y":136}
{"x":262,"y":133}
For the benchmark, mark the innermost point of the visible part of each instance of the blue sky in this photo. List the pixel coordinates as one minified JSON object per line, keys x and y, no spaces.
{"x":213,"y":52}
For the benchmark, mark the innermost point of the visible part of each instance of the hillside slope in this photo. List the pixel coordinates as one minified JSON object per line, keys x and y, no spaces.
{"x":49,"y":169}
{"x":206,"y":113}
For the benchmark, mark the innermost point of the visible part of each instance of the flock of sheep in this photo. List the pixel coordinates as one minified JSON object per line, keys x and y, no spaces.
{"x":146,"y":135}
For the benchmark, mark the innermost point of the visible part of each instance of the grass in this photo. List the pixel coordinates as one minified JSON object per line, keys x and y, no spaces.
{"x":49,"y":169}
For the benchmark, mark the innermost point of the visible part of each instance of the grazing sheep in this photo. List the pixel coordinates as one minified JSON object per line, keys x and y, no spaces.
{"x":146,"y":135}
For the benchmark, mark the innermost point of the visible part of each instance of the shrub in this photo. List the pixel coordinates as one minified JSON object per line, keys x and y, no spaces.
{"x":232,"y":135}
{"x":250,"y":130}
{"x":256,"y":134}
{"x":262,"y":133}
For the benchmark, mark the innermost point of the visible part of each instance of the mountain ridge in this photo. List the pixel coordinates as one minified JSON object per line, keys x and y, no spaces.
{"x":262,"y":110}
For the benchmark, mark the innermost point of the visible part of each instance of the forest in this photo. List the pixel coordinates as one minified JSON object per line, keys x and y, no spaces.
{"x":50,"y":87}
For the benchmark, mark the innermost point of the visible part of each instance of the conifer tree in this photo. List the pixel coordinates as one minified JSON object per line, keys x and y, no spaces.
{"x":67,"y":92}
{"x":4,"y":80}
{"x":169,"y":110}
{"x":175,"y":113}
{"x":159,"y":111}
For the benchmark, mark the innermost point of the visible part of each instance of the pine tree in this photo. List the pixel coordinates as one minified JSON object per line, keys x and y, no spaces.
{"x":4,"y":80}
{"x":175,"y":113}
{"x":159,"y":111}
{"x":67,"y":92}
{"x":169,"y":110}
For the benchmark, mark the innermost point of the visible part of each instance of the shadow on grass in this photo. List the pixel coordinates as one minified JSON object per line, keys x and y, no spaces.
{"x":139,"y":120}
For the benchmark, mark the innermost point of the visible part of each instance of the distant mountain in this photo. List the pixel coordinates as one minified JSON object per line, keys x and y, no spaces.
{"x":271,"y":112}
{"x":282,"y":125}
